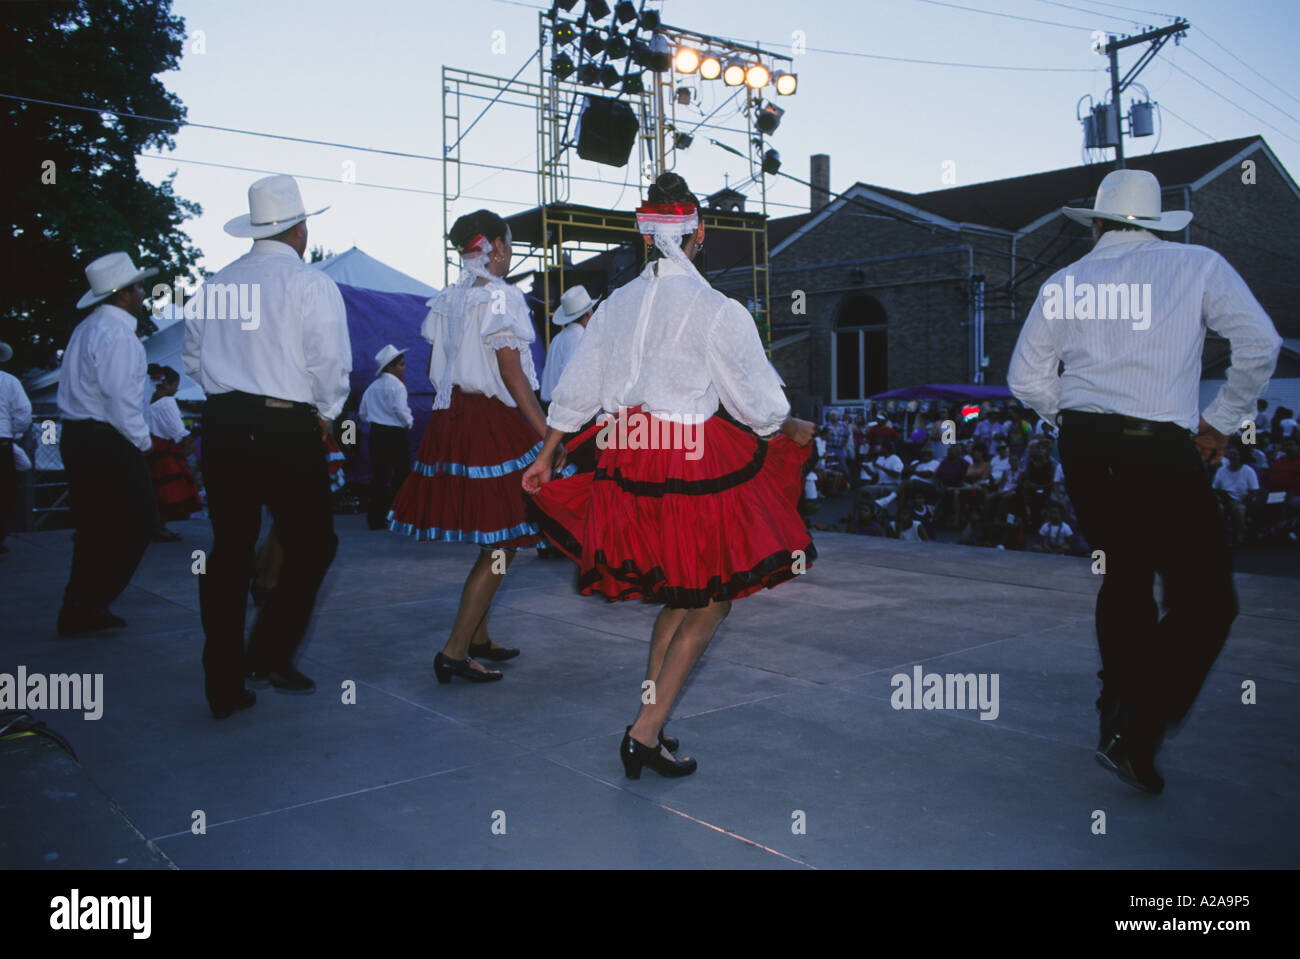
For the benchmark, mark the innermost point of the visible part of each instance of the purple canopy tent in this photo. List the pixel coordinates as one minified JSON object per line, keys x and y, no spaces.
{"x":951,"y":392}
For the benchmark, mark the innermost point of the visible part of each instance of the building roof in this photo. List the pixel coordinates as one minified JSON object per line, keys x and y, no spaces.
{"x":1015,"y":202}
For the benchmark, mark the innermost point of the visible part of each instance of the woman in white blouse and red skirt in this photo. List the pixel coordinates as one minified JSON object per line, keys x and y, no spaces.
{"x":684,"y":508}
{"x":486,"y":428}
{"x":173,"y":484}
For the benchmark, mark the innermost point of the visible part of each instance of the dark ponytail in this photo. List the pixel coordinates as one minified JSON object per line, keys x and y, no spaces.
{"x":484,"y":222}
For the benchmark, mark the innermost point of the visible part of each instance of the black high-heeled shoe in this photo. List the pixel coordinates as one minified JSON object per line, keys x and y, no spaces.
{"x":444,"y":667}
{"x":669,"y":743}
{"x":635,"y":757}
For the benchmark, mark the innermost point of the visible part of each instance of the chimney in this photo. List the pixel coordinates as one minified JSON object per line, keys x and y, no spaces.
{"x":820,"y":177}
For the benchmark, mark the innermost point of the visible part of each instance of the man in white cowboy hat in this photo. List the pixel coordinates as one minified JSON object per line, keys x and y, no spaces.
{"x":1128,"y":324}
{"x":275,"y":371}
{"x":103,"y":444}
{"x":575,"y":305}
{"x":15,"y":419}
{"x":384,"y":406}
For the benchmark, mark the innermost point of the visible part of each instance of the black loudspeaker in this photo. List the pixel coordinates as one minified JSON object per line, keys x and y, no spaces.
{"x":607,"y":131}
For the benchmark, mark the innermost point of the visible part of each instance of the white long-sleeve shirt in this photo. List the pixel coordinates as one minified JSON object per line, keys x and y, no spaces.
{"x":562,"y":349}
{"x":165,"y":419}
{"x":15,"y":408}
{"x":1144,"y":359}
{"x":270,"y":325}
{"x":671,"y":344}
{"x":463,"y":349}
{"x":101,"y":373}
{"x":385,"y":403}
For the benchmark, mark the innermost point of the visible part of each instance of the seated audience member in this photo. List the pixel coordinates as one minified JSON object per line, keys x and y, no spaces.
{"x":867,"y":520}
{"x":918,"y":475}
{"x":950,"y":476}
{"x":1041,"y":480}
{"x":922,"y":513}
{"x":1236,"y":482}
{"x":974,"y":533}
{"x":1054,"y":534}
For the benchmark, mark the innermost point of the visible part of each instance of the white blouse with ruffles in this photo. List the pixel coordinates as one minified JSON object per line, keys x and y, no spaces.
{"x":671,"y":344}
{"x":495,"y":317}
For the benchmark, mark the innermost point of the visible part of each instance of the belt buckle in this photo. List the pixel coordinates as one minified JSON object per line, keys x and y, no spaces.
{"x":278,"y":404}
{"x":1133,"y":427}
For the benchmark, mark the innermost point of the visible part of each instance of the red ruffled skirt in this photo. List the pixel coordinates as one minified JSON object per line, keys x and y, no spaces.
{"x":174,"y":489}
{"x":655,"y":524}
{"x":466,"y":484}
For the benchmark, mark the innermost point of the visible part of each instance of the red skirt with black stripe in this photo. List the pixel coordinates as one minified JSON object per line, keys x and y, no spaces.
{"x":466,"y":484}
{"x":174,"y":489}
{"x":713,"y":517}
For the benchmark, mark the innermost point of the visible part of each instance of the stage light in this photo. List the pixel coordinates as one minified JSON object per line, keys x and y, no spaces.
{"x":633,"y":84}
{"x":661,"y":55}
{"x":734,"y":74}
{"x":562,"y":65}
{"x":786,"y":83}
{"x":625,"y":11}
{"x":640,"y":53}
{"x":616,"y":48}
{"x":597,"y":10}
{"x":564,"y":33}
{"x":756,"y":76}
{"x":566,"y":4}
{"x":609,"y":76}
{"x":771,"y":162}
{"x":593,"y":43}
{"x":683,"y":141}
{"x":588,"y":75}
{"x":650,"y":20}
{"x":684,"y":96}
{"x":710,"y":66}
{"x":769,"y":119}
{"x":687,"y":60}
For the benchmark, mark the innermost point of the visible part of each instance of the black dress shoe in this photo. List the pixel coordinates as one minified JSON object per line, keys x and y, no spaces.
{"x":75,"y":620}
{"x":487,"y":652}
{"x":285,"y":679}
{"x":635,"y":757}
{"x":1133,"y":764}
{"x":444,"y":667}
{"x":246,"y":699}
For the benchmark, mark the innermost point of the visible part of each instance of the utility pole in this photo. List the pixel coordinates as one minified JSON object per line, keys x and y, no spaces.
{"x":1158,"y":38}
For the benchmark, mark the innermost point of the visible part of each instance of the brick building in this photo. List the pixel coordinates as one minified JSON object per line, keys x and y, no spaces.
{"x":886,"y":289}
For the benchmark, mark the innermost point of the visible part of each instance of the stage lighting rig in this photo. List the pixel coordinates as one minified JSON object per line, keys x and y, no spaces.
{"x":597,"y":10}
{"x":625,"y":11}
{"x":686,"y":60}
{"x":756,"y":76}
{"x":562,"y":65}
{"x":710,"y":66}
{"x":769,"y":119}
{"x":733,"y":75}
{"x":786,"y":83}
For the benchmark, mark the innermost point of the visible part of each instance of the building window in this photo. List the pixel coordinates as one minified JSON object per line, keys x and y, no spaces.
{"x":859,"y":350}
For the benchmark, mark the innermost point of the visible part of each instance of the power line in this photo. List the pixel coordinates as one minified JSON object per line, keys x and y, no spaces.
{"x":208,"y":126}
{"x":1227,"y":99}
{"x":1247,"y":65}
{"x":1094,"y":13}
{"x":1120,"y":6}
{"x":946,"y":63}
{"x":1242,"y":85}
{"x":322,"y":179}
{"x":1008,"y":16}
{"x":1165,"y":109}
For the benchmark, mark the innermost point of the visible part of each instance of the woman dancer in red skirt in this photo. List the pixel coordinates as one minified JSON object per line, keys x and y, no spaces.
{"x":173,"y":484}
{"x":486,"y":428}
{"x":684,"y":508}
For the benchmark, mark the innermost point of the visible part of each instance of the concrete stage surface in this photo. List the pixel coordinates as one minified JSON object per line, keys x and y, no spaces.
{"x":804,"y":761}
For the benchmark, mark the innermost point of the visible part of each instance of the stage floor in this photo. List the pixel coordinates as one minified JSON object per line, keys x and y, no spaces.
{"x":804,"y":761}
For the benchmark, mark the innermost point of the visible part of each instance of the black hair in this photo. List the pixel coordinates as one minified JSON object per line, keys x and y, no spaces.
{"x":1108,"y":225}
{"x":484,"y":222}
{"x":169,"y":375}
{"x":671,"y":188}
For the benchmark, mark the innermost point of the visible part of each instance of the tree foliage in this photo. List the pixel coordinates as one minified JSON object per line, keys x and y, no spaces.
{"x":73,"y":192}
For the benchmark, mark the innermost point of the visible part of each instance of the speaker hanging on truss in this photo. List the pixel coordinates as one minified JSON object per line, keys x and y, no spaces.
{"x":607,"y":131}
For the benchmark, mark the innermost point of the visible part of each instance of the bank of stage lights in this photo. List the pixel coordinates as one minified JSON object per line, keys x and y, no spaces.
{"x":733,"y":71}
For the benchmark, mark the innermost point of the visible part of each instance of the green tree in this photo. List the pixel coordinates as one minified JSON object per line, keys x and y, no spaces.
{"x":72,"y":190}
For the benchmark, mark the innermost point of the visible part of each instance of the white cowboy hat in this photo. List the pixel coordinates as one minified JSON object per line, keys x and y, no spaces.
{"x":1132,"y":197}
{"x":574,"y":303}
{"x":109,"y":274}
{"x":386,"y":356}
{"x":274,"y":205}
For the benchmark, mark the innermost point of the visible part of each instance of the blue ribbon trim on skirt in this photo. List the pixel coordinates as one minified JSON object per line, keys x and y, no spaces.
{"x":461,"y":535}
{"x":478,"y":472}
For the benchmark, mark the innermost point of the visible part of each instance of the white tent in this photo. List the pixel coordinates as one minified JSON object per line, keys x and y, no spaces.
{"x":163,"y":348}
{"x":356,"y":268}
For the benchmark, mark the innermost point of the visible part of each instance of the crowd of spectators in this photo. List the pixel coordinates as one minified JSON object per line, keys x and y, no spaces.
{"x":995,"y":480}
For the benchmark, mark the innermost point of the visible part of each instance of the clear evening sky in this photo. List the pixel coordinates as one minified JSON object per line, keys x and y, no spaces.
{"x":369,"y":74}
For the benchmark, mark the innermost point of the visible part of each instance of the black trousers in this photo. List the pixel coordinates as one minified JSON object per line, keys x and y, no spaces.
{"x":255,"y":455}
{"x":1142,"y":497}
{"x":390,"y":461}
{"x":8,"y":484}
{"x":111,"y":499}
